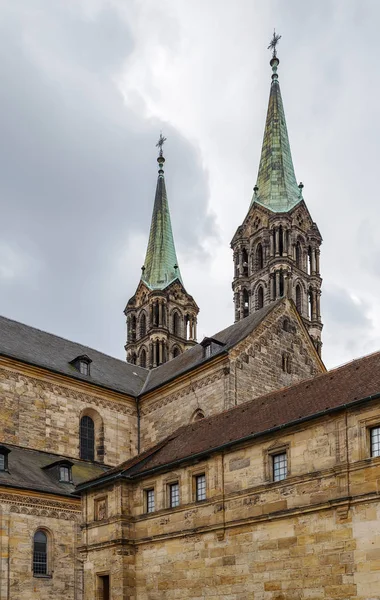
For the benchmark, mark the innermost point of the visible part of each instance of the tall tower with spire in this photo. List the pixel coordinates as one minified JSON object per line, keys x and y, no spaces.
{"x":161,"y":316}
{"x":276,"y":249}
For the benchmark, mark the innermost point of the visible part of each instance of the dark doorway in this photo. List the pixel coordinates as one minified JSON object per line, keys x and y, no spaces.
{"x":103,"y":587}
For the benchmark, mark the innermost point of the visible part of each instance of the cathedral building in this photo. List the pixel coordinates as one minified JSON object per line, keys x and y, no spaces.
{"x":233,"y":468}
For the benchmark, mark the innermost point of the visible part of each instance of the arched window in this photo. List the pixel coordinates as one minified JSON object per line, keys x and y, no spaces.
{"x":298,"y":255}
{"x":87,"y":438}
{"x":281,"y":240}
{"x":40,"y":553}
{"x":143,"y":358}
{"x":176,"y":352}
{"x":245,"y":303}
{"x":299,"y":298}
{"x":175,"y":323}
{"x":281,"y":283}
{"x":142,"y":324}
{"x":245,"y":262}
{"x":259,"y":257}
{"x":260,"y":297}
{"x":156,"y":314}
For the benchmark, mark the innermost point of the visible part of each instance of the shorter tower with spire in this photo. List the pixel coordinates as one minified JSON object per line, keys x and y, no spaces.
{"x":161,"y":316}
{"x":276,"y":249}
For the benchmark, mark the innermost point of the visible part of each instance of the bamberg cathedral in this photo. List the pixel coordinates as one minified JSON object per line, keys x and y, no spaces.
{"x":231,"y":469}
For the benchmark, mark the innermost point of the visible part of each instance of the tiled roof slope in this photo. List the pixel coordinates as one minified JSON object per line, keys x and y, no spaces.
{"x":55,"y":353}
{"x":357,"y":380}
{"x":193,"y":357}
{"x":26,"y":471}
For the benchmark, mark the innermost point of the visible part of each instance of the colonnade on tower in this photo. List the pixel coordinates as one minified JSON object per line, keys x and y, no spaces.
{"x":276,"y":250}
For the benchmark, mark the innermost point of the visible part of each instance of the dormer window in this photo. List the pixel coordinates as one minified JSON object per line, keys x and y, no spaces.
{"x":4,"y":458}
{"x":211,"y":346}
{"x":61,"y":470}
{"x":65,"y":474}
{"x":82,"y":364}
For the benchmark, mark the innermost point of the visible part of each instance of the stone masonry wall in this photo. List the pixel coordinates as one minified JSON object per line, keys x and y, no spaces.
{"x":43,"y":411}
{"x":20,"y":517}
{"x":311,"y":535}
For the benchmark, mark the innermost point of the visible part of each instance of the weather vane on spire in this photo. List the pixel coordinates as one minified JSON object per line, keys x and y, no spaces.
{"x":273,"y":43}
{"x":161,"y":142}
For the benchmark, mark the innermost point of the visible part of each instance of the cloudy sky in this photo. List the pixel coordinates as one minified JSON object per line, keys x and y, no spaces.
{"x":85,"y":88}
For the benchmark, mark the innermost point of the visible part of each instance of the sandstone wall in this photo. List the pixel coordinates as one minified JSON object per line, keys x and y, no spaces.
{"x":20,"y":516}
{"x":312,"y":535}
{"x":43,"y":411}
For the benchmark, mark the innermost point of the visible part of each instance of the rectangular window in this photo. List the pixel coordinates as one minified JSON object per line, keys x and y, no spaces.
{"x":2,"y":462}
{"x":375,"y":441}
{"x":174,"y":494}
{"x":200,"y":487}
{"x":150,"y":505}
{"x":65,"y":474}
{"x":280,"y":466}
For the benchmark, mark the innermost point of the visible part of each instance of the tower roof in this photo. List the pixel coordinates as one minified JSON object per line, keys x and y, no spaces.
{"x":276,"y":186}
{"x":161,"y":265}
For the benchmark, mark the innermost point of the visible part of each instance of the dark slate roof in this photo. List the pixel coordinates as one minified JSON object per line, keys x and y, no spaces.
{"x":55,"y":353}
{"x":358,"y":380}
{"x":27,"y":470}
{"x":195,"y":356}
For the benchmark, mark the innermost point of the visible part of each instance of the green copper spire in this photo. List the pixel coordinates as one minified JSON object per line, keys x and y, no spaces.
{"x":276,"y":186}
{"x":161,"y":265}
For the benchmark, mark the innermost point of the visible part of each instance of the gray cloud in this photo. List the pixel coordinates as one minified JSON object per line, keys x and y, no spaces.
{"x":78,"y":173}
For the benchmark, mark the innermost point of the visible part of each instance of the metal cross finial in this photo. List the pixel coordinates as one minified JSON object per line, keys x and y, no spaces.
{"x":161,"y":142}
{"x":273,"y":43}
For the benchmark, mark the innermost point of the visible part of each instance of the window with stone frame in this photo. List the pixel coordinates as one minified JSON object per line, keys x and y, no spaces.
{"x":41,"y":566}
{"x":200,"y":487}
{"x":280,"y":466}
{"x":375,"y":441}
{"x":150,"y":505}
{"x":173,"y":494}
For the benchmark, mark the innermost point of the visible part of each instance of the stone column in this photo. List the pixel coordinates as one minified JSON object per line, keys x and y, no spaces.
{"x":313,"y":265}
{"x":159,"y":352}
{"x":277,"y":284}
{"x":195,"y":329}
{"x":271,"y":244}
{"x":241,"y":313}
{"x":240,"y":263}
{"x":236,"y":301}
{"x":271,"y":287}
{"x":277,"y":244}
{"x":317,"y":255}
{"x":155,"y":353}
{"x":313,"y":305}
{"x":285,"y":233}
{"x":151,"y":355}
{"x":286,"y":286}
{"x":318,"y":298}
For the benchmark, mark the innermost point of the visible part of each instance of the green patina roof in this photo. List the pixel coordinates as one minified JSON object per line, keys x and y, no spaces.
{"x":161,"y":265}
{"x":276,"y":186}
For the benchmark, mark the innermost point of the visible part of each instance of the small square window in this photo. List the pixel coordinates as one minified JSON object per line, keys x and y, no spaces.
{"x":280,"y":466}
{"x":375,"y":441}
{"x":200,"y":487}
{"x":150,"y":504}
{"x":174,"y":494}
{"x":65,"y":474}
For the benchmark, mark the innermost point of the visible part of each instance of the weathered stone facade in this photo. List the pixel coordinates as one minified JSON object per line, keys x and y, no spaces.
{"x":312,"y":535}
{"x":276,"y":354}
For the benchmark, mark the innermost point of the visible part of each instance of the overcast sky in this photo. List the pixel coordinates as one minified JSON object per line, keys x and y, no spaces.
{"x":85,"y":88}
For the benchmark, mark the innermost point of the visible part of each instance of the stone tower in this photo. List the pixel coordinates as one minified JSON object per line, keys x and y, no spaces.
{"x":161,"y":316}
{"x":276,"y":249}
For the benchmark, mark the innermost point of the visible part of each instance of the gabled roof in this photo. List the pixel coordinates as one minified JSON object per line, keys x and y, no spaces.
{"x":29,"y":470}
{"x":356,"y":381}
{"x":42,"y":349}
{"x":161,"y":264}
{"x":195,"y":356}
{"x":276,"y":186}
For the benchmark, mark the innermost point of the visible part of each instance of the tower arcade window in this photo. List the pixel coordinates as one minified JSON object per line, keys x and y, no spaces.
{"x":87,"y":438}
{"x":40,"y":553}
{"x":143,"y":358}
{"x":298,"y":255}
{"x":245,"y":262}
{"x":142,"y":325}
{"x":176,"y":322}
{"x":245,"y":303}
